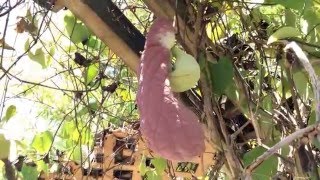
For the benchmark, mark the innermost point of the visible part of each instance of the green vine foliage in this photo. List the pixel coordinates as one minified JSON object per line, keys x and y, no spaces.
{"x":62,"y":85}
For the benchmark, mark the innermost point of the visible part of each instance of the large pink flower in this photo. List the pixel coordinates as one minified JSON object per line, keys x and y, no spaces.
{"x":169,"y":127}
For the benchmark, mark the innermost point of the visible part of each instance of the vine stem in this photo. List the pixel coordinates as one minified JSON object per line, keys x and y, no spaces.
{"x":313,"y":76}
{"x":311,"y":130}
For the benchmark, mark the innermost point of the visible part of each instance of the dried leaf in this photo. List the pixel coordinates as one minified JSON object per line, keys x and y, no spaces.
{"x":5,"y":45}
{"x":24,"y":25}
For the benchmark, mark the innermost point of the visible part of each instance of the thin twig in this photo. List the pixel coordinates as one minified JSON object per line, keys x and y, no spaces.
{"x":286,"y":141}
{"x":313,"y":76}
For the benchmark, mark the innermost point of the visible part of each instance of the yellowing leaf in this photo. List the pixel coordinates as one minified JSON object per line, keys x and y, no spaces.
{"x":92,"y":72}
{"x":11,"y":111}
{"x":186,"y":73}
{"x":5,"y":147}
{"x":42,"y":142}
{"x":160,"y":165}
{"x":282,"y":33}
{"x":217,"y":32}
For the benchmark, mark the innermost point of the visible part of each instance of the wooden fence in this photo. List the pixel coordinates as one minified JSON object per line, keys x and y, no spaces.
{"x":117,"y":155}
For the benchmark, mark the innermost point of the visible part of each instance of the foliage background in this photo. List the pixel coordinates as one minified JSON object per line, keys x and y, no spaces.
{"x":52,"y":101}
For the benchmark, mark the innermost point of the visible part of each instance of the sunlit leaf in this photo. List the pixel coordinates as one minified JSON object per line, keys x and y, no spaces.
{"x":160,"y":165}
{"x":77,"y":31}
{"x":152,"y":174}
{"x":95,"y":43}
{"x":66,"y":129}
{"x":11,"y":111}
{"x":75,"y":135}
{"x":142,"y":166}
{"x":186,"y":71}
{"x":61,"y":143}
{"x":75,"y":153}
{"x":217,"y":32}
{"x":42,"y":166}
{"x":38,"y":56}
{"x":91,"y":73}
{"x":42,"y":142}
{"x":282,"y":33}
{"x":5,"y":147}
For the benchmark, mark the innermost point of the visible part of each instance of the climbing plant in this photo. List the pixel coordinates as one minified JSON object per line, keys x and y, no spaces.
{"x":68,"y":72}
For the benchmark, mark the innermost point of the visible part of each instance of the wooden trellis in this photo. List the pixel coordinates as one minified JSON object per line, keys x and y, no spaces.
{"x":118,"y":154}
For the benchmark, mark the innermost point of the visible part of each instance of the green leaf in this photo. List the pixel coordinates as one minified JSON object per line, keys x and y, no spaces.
{"x":267,"y":102}
{"x":312,"y":118}
{"x":153,"y":175}
{"x":221,"y":75}
{"x":186,"y":71}
{"x":27,"y":45}
{"x":38,"y":56}
{"x":91,"y":107}
{"x":302,"y":84}
{"x":5,"y":147}
{"x":29,"y":172}
{"x":142,"y":166}
{"x":75,"y":154}
{"x":290,"y":17}
{"x":282,"y":33}
{"x":216,"y":32}
{"x":160,"y":165}
{"x":77,"y":31}
{"x":11,"y":111}
{"x":266,"y":169}
{"x":66,"y":129}
{"x":91,"y":73}
{"x":42,"y":166}
{"x":60,"y":143}
{"x":42,"y":142}
{"x":297,"y":5}
{"x":95,"y":43}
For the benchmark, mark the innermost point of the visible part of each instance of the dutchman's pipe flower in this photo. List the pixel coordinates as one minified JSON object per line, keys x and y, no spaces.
{"x":170,"y":128}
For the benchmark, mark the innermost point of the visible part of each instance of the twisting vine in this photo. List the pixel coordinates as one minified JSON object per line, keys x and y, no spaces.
{"x":303,"y":59}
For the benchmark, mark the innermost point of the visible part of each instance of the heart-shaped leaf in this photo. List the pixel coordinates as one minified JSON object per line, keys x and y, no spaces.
{"x":5,"y":147}
{"x":42,"y":142}
{"x":186,"y":71}
{"x":91,"y":73}
{"x":282,"y":33}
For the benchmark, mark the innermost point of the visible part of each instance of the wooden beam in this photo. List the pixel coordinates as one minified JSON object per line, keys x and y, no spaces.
{"x":107,"y":22}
